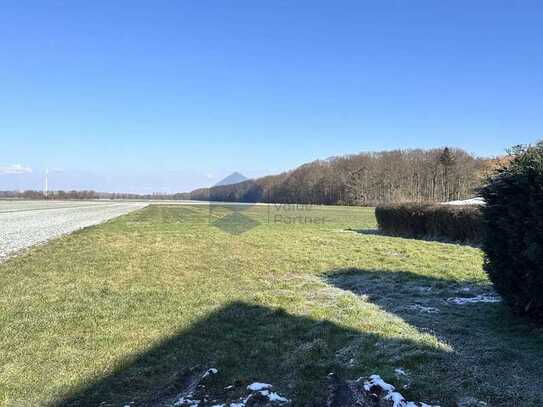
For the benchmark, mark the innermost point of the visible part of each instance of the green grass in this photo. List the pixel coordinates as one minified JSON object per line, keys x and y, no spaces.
{"x":118,"y":312}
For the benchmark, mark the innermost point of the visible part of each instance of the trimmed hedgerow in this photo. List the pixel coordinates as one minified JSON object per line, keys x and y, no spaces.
{"x":434,"y":221}
{"x":513,"y":225}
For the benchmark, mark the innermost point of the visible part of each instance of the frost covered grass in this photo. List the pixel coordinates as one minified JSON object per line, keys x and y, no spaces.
{"x":119,"y":312}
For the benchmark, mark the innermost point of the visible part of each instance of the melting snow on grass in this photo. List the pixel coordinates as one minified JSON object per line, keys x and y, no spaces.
{"x":485,"y":298}
{"x":187,"y":401}
{"x":264,"y":389}
{"x":375,"y":383}
{"x":422,"y":308}
{"x":257,"y":390}
{"x":261,"y":394}
{"x":274,"y":397}
{"x":400,"y":372}
{"x":209,"y":372}
{"x":257,"y":386}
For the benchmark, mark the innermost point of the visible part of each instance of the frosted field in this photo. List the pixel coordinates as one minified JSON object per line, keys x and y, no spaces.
{"x":25,"y":223}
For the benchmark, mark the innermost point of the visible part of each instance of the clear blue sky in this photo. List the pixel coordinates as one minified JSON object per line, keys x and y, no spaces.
{"x":169,"y":95}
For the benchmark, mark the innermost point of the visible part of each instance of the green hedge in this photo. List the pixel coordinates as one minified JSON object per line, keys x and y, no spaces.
{"x":433,"y":221}
{"x":513,"y":223}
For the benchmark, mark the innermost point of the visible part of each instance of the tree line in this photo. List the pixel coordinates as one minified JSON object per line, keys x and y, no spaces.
{"x":32,"y":194}
{"x":434,"y":175}
{"x":416,"y":175}
{"x":89,"y":194}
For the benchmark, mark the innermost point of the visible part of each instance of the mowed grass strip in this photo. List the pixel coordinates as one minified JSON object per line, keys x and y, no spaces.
{"x":117,"y":312}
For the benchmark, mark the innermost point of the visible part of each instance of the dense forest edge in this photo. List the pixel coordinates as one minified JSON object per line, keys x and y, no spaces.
{"x":366,"y":179}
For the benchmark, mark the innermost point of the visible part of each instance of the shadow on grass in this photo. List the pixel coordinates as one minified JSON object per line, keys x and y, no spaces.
{"x":367,"y":231}
{"x":246,"y":343}
{"x":378,"y":232}
{"x":497,"y":356}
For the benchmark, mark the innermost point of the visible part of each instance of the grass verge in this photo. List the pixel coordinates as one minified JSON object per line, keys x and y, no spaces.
{"x":117,"y":312}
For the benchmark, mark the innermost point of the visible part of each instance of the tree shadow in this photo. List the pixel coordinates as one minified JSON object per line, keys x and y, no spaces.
{"x":245,"y":343}
{"x":434,"y":239}
{"x":367,"y":231}
{"x":497,"y":356}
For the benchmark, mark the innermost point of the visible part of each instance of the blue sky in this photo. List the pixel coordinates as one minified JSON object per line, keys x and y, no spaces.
{"x":146,"y":96}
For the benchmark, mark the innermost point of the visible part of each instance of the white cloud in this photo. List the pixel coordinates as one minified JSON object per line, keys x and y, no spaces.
{"x":14,"y":169}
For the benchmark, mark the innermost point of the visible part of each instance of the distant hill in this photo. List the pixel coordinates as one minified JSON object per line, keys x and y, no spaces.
{"x":234,"y":178}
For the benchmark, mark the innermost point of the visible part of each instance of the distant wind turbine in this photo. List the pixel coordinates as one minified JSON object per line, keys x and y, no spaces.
{"x":46,"y":183}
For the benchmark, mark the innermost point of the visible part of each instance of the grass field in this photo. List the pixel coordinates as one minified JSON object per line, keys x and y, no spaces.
{"x":118,"y":312}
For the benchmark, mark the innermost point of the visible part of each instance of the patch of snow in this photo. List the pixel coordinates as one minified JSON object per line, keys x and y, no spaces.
{"x":187,"y":401}
{"x":421,"y":308}
{"x":472,"y":201}
{"x":265,"y":390}
{"x":390,"y":392}
{"x":274,"y":397}
{"x":191,"y":398}
{"x":210,"y":372}
{"x":400,"y":372}
{"x":396,"y":398}
{"x":485,"y":298}
{"x":402,"y":376}
{"x":375,"y":380}
{"x":257,"y":386}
